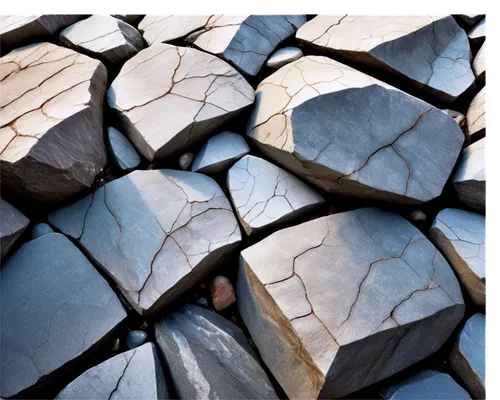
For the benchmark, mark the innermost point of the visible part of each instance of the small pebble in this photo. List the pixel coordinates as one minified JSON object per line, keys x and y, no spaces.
{"x":222,"y":292}
{"x":185,"y":160}
{"x":116,"y":345}
{"x":40,"y":230}
{"x":202,"y":302}
{"x":136,"y":338}
{"x":418,"y":216}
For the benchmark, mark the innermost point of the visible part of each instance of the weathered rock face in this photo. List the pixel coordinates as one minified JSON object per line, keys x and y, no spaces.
{"x":428,"y":54}
{"x":167,"y":28}
{"x":122,"y":151}
{"x":265,"y":195}
{"x":56,"y":309}
{"x":156,"y":233}
{"x":460,"y":236}
{"x":353,"y":135}
{"x":12,"y":225}
{"x":476,"y":117}
{"x":168,"y":97}
{"x":51,"y":134}
{"x":132,"y":19}
{"x":284,"y":56}
{"x":477,"y":35}
{"x":209,"y":357}
{"x":343,"y":301}
{"x":479,"y":64}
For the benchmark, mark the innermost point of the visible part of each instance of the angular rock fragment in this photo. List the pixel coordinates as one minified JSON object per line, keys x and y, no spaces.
{"x":132,"y":19}
{"x":476,"y":117}
{"x":477,"y":35}
{"x":12,"y":225}
{"x":468,"y":20}
{"x":353,"y":135}
{"x":56,"y":310}
{"x":209,"y":357}
{"x":430,"y":55}
{"x":122,"y":151}
{"x":479,"y":64}
{"x":155,"y":233}
{"x":168,"y":28}
{"x":283,"y":57}
{"x":51,"y":138}
{"x":460,"y":236}
{"x":40,"y":230}
{"x":220,"y":152}
{"x":265,"y":195}
{"x":340,"y":302}
{"x":167,"y":98}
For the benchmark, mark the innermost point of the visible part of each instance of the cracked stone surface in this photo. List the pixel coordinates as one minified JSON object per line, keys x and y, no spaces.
{"x":460,"y":236}
{"x":51,"y":117}
{"x":469,"y":180}
{"x":338,"y":303}
{"x":155,"y":233}
{"x":56,"y":309}
{"x":167,"y":98}
{"x":283,"y":57}
{"x":428,"y":54}
{"x":476,"y":116}
{"x":12,"y":225}
{"x":167,"y":28}
{"x":220,"y":152}
{"x":265,"y":195}
{"x":209,"y":357}
{"x":479,"y":64}
{"x":351,"y":134}
{"x":477,"y":35}
{"x":122,"y":151}
{"x":134,"y":374}
{"x":104,"y":37}
{"x":132,"y":19}
{"x":468,"y":355}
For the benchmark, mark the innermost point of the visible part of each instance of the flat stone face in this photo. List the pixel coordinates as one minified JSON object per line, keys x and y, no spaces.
{"x":340,"y":302}
{"x":430,"y":54}
{"x":460,"y":236}
{"x":166,"y":28}
{"x":12,"y":225}
{"x":155,"y":233}
{"x":209,"y":357}
{"x":122,"y":151}
{"x":51,"y":139}
{"x":168,"y":97}
{"x":284,"y":56}
{"x":55,"y":308}
{"x":353,"y":135}
{"x":220,"y":152}
{"x":479,"y":64}
{"x":265,"y":195}
{"x":476,"y":116}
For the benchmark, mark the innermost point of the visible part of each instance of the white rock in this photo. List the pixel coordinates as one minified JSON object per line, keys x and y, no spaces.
{"x":284,"y":56}
{"x":476,"y":116}
{"x":479,"y":64}
{"x":166,"y":28}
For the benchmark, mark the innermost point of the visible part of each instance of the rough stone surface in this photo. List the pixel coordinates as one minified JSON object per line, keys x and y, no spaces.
{"x":340,"y":302}
{"x":132,"y":19}
{"x":51,"y":136}
{"x":351,"y":134}
{"x":155,"y":233}
{"x":477,"y":35}
{"x":429,"y":54}
{"x":479,"y":64}
{"x":220,"y":152}
{"x":209,"y":357}
{"x":283,"y":57}
{"x":167,"y":98}
{"x":265,"y":195}
{"x":468,"y":356}
{"x":469,"y":180}
{"x":167,"y":28}
{"x":56,"y":308}
{"x":185,"y":160}
{"x":12,"y":225}
{"x":122,"y":151}
{"x":460,"y":236}
{"x":136,"y":339}
{"x":135,"y":374}
{"x":476,"y":117}
{"x":222,"y":293}
{"x":39,"y":230}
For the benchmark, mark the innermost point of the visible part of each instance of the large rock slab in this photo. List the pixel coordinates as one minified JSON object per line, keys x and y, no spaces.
{"x":12,"y":225}
{"x":430,"y":55}
{"x":56,"y":310}
{"x":340,"y":302}
{"x":476,"y":117}
{"x":265,"y":195}
{"x":51,"y":133}
{"x":460,"y":236}
{"x":155,"y":233}
{"x":168,"y":97}
{"x":479,"y":64}
{"x":351,"y":134}
{"x":209,"y":357}
{"x":170,"y":28}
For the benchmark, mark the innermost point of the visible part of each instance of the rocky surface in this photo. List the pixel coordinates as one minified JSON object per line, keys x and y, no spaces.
{"x":222,"y":293}
{"x":122,"y":151}
{"x":353,"y":135}
{"x":56,"y":309}
{"x":170,"y":28}
{"x":132,"y":19}
{"x":168,"y":97}
{"x":51,"y":135}
{"x":476,"y":117}
{"x":40,"y":230}
{"x":265,"y":195}
{"x":468,"y":20}
{"x":477,"y":35}
{"x":12,"y":225}
{"x":479,"y":64}
{"x":209,"y":357}
{"x":155,"y":233}
{"x":346,"y":300}
{"x":283,"y":57}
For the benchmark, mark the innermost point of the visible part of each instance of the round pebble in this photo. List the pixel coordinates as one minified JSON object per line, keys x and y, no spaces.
{"x":40,"y":230}
{"x":136,"y":338}
{"x":222,"y":292}
{"x":185,"y":160}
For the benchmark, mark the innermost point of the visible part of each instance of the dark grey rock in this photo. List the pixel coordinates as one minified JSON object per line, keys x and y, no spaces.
{"x":122,"y":151}
{"x":132,"y":19}
{"x":12,"y":225}
{"x":468,"y":20}
{"x":185,"y":160}
{"x":136,"y":338}
{"x":418,"y":216}
{"x":40,"y":230}
{"x":202,"y":302}
{"x":283,"y":57}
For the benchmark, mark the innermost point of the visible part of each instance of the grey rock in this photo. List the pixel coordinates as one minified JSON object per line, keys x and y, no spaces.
{"x":477,"y":35}
{"x":458,"y":117}
{"x":51,"y":136}
{"x":418,"y":216}
{"x":12,"y":225}
{"x":353,"y":135}
{"x":116,"y":345}
{"x":476,"y":117}
{"x":135,"y":374}
{"x":56,"y":310}
{"x":340,"y":302}
{"x":468,"y":20}
{"x":202,"y":302}
{"x":167,"y":98}
{"x":40,"y":230}
{"x":168,"y":28}
{"x":283,"y":57}
{"x":156,"y":233}
{"x":185,"y":160}
{"x":209,"y":357}
{"x":220,"y":152}
{"x":132,"y":19}
{"x":122,"y":151}
{"x":136,"y":339}
{"x":479,"y":64}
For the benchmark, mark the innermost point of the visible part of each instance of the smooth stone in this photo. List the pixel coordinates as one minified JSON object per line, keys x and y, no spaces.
{"x":476,"y":117}
{"x":418,"y":216}
{"x":222,"y":293}
{"x":136,"y":339}
{"x":283,"y":57}
{"x":40,"y":230}
{"x":168,"y":28}
{"x":12,"y":225}
{"x":185,"y":160}
{"x":122,"y":151}
{"x":479,"y":64}
{"x":477,"y":35}
{"x":116,"y":345}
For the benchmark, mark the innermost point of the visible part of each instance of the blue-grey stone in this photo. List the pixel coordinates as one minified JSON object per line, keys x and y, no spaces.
{"x":124,"y":154}
{"x":40,"y":230}
{"x":284,"y":56}
{"x":12,"y":225}
{"x":136,"y":338}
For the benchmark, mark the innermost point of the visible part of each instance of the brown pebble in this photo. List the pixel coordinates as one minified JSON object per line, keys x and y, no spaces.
{"x":222,"y":292}
{"x":418,"y":216}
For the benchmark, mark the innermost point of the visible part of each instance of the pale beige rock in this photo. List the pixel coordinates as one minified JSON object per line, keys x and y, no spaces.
{"x":479,"y":64}
{"x":166,"y":28}
{"x":476,"y":116}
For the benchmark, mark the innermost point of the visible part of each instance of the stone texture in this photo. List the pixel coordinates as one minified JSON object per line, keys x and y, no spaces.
{"x":340,"y":302}
{"x":460,"y":236}
{"x":132,"y":19}
{"x":479,"y":64}
{"x":185,"y":160}
{"x":51,"y":136}
{"x":39,"y":230}
{"x":220,"y":152}
{"x":477,"y":35}
{"x":168,"y":28}
{"x":476,"y":117}
{"x":222,"y":293}
{"x":56,"y":309}
{"x":155,"y":233}
{"x":283,"y":57}
{"x":136,"y":338}
{"x":167,"y":98}
{"x":209,"y":357}
{"x":12,"y":225}
{"x":265,"y":195}
{"x":428,"y":54}
{"x":351,"y":134}
{"x":122,"y":151}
